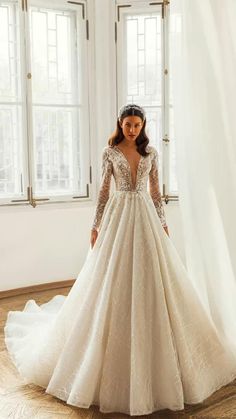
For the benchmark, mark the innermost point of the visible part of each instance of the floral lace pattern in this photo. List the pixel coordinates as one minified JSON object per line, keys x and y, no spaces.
{"x":115,"y":163}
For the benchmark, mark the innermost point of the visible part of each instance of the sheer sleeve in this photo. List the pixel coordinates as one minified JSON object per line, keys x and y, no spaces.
{"x":154,"y":188}
{"x":104,"y":190}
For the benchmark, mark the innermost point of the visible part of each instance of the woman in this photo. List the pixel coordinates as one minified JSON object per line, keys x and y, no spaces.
{"x":132,"y":139}
{"x":132,"y":335}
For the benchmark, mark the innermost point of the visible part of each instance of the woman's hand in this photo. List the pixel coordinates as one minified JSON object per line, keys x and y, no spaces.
{"x":166,"y":230}
{"x":94,"y":234}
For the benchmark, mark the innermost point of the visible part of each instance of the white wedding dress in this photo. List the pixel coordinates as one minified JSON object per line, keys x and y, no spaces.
{"x":132,"y":335}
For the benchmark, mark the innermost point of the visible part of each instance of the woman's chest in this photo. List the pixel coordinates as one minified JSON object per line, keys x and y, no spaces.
{"x":130,"y":169}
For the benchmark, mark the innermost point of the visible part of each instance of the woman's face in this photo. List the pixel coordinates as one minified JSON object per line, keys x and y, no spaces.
{"x":131,"y":127}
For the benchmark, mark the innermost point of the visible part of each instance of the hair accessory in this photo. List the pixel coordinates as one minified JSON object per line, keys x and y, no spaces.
{"x":130,"y":110}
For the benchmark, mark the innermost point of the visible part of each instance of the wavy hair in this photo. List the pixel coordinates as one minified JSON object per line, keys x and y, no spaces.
{"x":117,"y":137}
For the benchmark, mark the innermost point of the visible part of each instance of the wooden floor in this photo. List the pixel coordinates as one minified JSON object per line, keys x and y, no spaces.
{"x":19,"y":401}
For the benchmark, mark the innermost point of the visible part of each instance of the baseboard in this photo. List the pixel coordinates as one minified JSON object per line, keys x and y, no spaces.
{"x":37,"y":288}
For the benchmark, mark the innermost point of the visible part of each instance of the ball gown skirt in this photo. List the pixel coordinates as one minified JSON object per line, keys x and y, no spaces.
{"x":132,"y":335}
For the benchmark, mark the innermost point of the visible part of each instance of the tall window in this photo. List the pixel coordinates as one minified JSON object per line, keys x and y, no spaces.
{"x":43,"y":101}
{"x":141,"y":32}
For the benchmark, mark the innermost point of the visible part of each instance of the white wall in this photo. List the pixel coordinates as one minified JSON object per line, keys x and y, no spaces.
{"x":49,"y":242}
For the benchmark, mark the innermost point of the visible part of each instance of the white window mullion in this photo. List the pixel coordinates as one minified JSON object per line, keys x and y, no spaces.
{"x":172,"y":181}
{"x":83,"y":126}
{"x":165,"y":138}
{"x":26,"y":82}
{"x":13,"y":150}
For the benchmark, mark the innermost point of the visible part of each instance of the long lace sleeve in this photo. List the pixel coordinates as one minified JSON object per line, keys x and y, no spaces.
{"x":154,"y":188}
{"x":104,"y":190}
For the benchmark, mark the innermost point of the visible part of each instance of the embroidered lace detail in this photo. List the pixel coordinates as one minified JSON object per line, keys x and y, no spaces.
{"x":114,"y":162}
{"x":104,"y":190}
{"x":154,"y":187}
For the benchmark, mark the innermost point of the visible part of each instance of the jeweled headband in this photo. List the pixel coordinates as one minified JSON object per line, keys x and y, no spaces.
{"x":133,"y":108}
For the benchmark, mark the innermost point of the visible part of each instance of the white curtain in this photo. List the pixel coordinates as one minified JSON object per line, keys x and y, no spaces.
{"x":203,"y":69}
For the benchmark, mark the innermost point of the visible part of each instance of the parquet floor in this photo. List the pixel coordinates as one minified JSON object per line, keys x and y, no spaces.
{"x":20,"y":401}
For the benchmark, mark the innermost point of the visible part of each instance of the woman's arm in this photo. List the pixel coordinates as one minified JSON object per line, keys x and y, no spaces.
{"x":154,"y":188}
{"x":104,"y":188}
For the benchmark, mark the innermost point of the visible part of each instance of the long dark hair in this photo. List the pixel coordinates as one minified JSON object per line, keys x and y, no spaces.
{"x":142,"y":140}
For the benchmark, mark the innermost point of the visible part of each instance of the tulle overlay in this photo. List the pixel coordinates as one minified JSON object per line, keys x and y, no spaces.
{"x":132,"y":335}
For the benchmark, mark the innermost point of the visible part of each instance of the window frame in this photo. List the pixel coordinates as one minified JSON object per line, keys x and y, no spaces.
{"x":87,"y":79}
{"x":123,"y":7}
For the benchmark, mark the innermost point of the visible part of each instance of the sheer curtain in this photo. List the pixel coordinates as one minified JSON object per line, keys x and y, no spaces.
{"x":203,"y":68}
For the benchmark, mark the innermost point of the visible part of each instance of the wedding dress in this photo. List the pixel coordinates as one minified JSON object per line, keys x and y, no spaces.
{"x":132,"y":335}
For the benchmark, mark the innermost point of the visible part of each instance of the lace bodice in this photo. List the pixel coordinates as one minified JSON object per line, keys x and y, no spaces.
{"x":115,"y":163}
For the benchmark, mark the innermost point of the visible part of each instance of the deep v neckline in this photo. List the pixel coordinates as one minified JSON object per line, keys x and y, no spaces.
{"x":130,"y":172}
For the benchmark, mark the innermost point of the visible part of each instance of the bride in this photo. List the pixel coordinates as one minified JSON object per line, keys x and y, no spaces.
{"x":132,"y":335}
